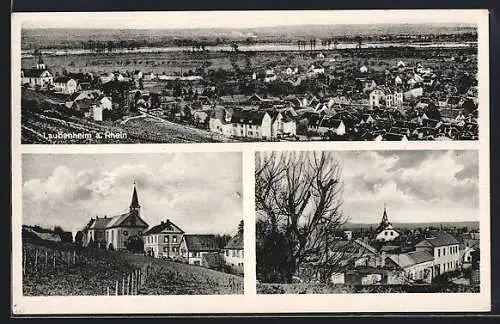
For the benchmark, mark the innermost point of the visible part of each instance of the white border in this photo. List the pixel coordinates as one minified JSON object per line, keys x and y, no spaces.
{"x":249,"y":302}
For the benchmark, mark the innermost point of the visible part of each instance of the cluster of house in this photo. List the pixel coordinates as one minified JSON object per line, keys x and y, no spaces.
{"x":165,"y":240}
{"x":403,"y":106}
{"x":385,"y":260}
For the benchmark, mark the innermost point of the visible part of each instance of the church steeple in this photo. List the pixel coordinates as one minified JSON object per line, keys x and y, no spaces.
{"x":134,"y":204}
{"x":385,"y":220}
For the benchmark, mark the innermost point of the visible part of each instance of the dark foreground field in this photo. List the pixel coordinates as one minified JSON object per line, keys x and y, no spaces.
{"x":57,"y":269}
{"x":267,"y":288}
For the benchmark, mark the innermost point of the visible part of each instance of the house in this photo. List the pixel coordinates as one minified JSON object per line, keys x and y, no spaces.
{"x":469,"y":246}
{"x":276,"y":123}
{"x":220,"y":121}
{"x":385,"y":231}
{"x":234,"y":253}
{"x":415,"y":266}
{"x":251,"y":124}
{"x":391,"y":137}
{"x":163,"y":240}
{"x":96,"y":231}
{"x":363,"y":69}
{"x":445,"y":249}
{"x":38,"y":76}
{"x":122,"y":227}
{"x":65,"y":84}
{"x":383,"y":96}
{"x":194,"y":246}
{"x":336,"y":126}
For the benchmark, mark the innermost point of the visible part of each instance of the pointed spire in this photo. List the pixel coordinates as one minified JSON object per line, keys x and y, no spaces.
{"x":134,"y":204}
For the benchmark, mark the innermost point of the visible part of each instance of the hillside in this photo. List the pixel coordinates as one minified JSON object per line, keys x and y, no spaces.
{"x":62,"y":269}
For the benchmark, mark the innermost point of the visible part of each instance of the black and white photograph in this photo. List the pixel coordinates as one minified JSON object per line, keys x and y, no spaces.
{"x":132,"y":224}
{"x":367,"y":222}
{"x":208,"y":77}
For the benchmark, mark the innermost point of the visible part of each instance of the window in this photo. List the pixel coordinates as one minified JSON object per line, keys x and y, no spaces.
{"x":439,"y":252}
{"x":174,"y":239}
{"x":385,"y":233}
{"x":165,"y":239}
{"x":111,"y":235}
{"x":165,"y":249}
{"x":444,"y":251}
{"x":175,"y":249}
{"x":392,"y":233}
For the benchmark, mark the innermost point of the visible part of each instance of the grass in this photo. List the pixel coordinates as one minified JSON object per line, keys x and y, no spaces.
{"x":91,"y":271}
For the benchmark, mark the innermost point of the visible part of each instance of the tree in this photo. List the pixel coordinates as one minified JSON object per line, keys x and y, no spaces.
{"x":298,"y":197}
{"x":79,"y":238}
{"x":240,"y":227}
{"x":135,"y":244}
{"x":222,"y":240}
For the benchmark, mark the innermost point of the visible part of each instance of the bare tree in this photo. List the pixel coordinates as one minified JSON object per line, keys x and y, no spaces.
{"x":299,"y":195}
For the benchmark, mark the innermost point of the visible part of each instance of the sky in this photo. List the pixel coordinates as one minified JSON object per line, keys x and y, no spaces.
{"x":238,"y":19}
{"x":199,"y":192}
{"x":416,"y":186}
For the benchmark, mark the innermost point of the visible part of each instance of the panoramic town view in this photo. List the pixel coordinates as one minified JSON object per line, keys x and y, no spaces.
{"x":367,"y":222}
{"x":117,"y":227}
{"x":381,"y":82}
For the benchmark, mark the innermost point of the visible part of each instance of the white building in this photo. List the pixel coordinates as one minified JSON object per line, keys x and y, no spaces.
{"x":385,"y":231}
{"x":252,"y":124}
{"x":415,"y":265}
{"x":37,"y":76}
{"x":163,"y":240}
{"x":383,"y":96}
{"x":445,"y":249}
{"x":65,"y":85}
{"x":234,"y":253}
{"x":194,"y":247}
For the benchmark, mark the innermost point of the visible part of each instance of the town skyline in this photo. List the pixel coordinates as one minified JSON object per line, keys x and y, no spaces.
{"x":61,"y":190}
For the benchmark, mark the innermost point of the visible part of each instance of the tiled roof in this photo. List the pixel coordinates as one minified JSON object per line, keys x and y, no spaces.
{"x":100,"y":223}
{"x":128,"y":219}
{"x":33,"y":73}
{"x":437,"y":239}
{"x":168,"y":226}
{"x":196,"y":242}
{"x":249,"y":117}
{"x":405,"y":260}
{"x":236,"y":242}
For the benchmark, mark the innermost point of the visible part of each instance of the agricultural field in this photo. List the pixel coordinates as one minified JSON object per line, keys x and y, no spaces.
{"x":58,"y":269}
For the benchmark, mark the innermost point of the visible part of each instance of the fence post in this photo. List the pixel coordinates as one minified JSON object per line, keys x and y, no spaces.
{"x":36,"y":257}
{"x":116,"y":288}
{"x":128,"y":284}
{"x":46,"y":257}
{"x":132,"y":288}
{"x":123,"y":286}
{"x":54,"y":261}
{"x":74,"y":256}
{"x":107,"y":291}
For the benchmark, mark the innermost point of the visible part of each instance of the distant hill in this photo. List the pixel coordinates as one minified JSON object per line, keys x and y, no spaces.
{"x":470,"y":225}
{"x":46,"y":37}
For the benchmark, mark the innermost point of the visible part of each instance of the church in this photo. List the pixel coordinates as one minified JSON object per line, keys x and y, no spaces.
{"x":37,"y":76}
{"x":385,"y":232}
{"x":114,"y":232}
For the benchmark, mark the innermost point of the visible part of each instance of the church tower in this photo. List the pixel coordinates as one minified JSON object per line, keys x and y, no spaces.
{"x":134,"y":204}
{"x":40,"y":65}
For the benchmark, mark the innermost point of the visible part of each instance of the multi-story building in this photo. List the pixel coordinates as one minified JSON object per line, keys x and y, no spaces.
{"x":163,"y":240}
{"x":445,"y":249}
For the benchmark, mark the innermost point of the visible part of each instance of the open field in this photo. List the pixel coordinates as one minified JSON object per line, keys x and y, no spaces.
{"x":58,"y":269}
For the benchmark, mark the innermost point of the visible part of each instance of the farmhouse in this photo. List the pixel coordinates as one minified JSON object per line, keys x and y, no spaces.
{"x":194,"y":246}
{"x":163,"y":240}
{"x":233,"y":253}
{"x":415,"y":266}
{"x":65,"y":85}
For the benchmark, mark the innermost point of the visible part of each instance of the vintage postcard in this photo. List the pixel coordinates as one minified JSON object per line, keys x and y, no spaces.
{"x":254,"y":162}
